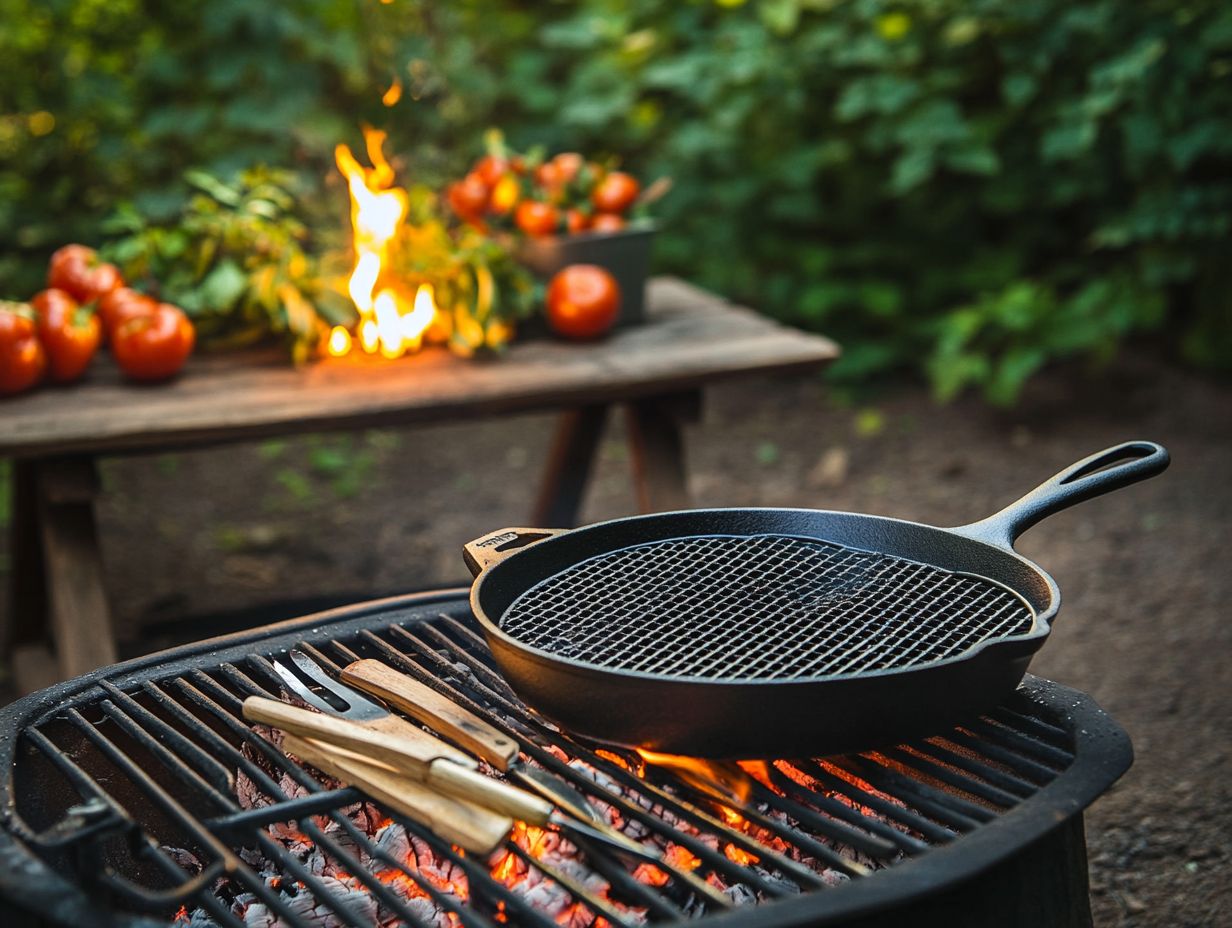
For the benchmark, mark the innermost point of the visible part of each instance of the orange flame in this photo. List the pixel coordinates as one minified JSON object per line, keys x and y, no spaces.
{"x":723,"y":781}
{"x":389,"y":323}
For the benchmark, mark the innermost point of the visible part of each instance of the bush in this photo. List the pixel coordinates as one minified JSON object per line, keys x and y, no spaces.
{"x":967,"y":187}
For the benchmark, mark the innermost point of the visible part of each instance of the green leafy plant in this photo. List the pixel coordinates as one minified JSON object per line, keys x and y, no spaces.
{"x":235,"y":260}
{"x":968,"y":188}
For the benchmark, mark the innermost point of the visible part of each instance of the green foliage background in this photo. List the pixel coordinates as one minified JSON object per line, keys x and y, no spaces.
{"x":967,"y":187}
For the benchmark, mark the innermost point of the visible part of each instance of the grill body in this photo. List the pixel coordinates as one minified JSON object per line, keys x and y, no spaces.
{"x":983,"y":825}
{"x":763,"y":716}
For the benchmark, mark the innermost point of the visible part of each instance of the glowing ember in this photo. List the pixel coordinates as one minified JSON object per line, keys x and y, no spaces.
{"x":390,"y":323}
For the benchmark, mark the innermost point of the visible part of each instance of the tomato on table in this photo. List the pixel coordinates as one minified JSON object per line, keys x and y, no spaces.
{"x":536,"y":219}
{"x":469,"y":196}
{"x":569,"y":165}
{"x":615,"y":193}
{"x":79,"y":272}
{"x":607,"y":222}
{"x":154,"y":346}
{"x":123,"y":303}
{"x":22,"y":358}
{"x":70,"y":334}
{"x":576,"y":221}
{"x":583,"y":301}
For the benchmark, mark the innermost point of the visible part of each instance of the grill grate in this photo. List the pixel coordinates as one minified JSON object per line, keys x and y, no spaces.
{"x":760,"y":607}
{"x":223,"y":826}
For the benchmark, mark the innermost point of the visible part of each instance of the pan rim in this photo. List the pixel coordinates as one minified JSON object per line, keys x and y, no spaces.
{"x":1040,"y":628}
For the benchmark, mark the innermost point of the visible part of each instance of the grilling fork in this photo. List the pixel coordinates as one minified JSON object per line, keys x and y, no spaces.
{"x":432,"y":760}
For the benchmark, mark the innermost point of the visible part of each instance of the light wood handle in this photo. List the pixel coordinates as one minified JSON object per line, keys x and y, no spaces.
{"x":439,"y":712}
{"x":478,"y":830}
{"x":409,"y":755}
{"x":473,"y":786}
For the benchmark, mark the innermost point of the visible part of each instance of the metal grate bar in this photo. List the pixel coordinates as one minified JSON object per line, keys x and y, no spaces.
{"x":785,"y":833}
{"x":528,"y":740}
{"x":1025,"y":766}
{"x":933,"y":831}
{"x":303,"y":819}
{"x":493,"y":888}
{"x":285,"y":811}
{"x":1009,"y":715}
{"x":944,"y":807}
{"x":870,"y":844}
{"x":992,"y":734}
{"x":239,"y":728}
{"x":272,"y":848}
{"x":233,"y":866}
{"x":86,"y":785}
{"x":682,"y":810}
{"x":840,"y":810}
{"x":998,"y":776}
{"x":203,"y":765}
{"x":960,"y":780}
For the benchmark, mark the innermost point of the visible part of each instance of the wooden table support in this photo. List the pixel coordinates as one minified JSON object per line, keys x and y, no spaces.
{"x":569,"y":463}
{"x":656,"y":371}
{"x":60,"y":545}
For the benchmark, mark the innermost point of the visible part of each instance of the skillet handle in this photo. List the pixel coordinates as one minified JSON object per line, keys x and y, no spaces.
{"x":490,"y":549}
{"x":1107,"y":470}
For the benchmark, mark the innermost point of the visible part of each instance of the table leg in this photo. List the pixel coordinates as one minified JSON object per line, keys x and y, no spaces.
{"x":568,"y":467}
{"x":79,"y":619}
{"x":656,"y":441}
{"x":26,"y":620}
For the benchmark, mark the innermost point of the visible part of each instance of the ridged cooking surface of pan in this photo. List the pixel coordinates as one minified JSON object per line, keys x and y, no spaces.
{"x":760,"y":607}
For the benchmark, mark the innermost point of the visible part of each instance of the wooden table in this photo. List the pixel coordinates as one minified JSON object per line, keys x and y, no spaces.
{"x":656,"y":371}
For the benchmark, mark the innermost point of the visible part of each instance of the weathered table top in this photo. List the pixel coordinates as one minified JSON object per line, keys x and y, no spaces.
{"x":691,"y":338}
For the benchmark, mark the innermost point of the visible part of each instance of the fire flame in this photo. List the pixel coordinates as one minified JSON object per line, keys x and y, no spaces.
{"x":389,"y":323}
{"x":723,"y":781}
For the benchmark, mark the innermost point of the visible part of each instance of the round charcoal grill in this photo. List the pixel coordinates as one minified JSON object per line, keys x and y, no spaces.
{"x":762,"y":607}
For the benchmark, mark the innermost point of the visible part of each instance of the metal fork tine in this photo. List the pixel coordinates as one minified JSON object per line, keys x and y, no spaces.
{"x":358,"y":705}
{"x":296,"y":686}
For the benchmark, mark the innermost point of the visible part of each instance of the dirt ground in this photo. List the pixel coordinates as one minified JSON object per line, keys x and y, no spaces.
{"x":1144,"y":572}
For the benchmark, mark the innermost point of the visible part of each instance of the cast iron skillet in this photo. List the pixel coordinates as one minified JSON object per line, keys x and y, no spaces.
{"x":776,"y":632}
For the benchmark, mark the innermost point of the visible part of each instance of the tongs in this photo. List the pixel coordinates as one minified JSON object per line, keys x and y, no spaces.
{"x":362,"y":739}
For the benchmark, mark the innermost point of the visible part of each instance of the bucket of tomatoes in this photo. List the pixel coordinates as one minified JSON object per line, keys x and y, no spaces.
{"x":562,"y":211}
{"x":56,"y":335}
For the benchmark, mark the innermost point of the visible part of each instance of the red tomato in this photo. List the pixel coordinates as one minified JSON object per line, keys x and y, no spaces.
{"x":469,"y":196}
{"x":70,"y":334}
{"x":583,"y":301}
{"x":548,"y":176}
{"x":77,"y":271}
{"x":536,"y":219}
{"x":120,"y":304}
{"x":568,"y":165}
{"x":615,"y":193}
{"x":576,"y":221}
{"x":491,"y":169}
{"x":22,"y":359}
{"x":607,"y":222}
{"x":154,"y":346}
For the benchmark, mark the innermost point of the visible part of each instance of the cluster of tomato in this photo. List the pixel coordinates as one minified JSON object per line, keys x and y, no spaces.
{"x":59,"y":331}
{"x":565,"y":193}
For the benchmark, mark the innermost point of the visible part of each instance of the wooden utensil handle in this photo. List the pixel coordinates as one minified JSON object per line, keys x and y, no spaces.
{"x":472,"y":786}
{"x":408,"y":755}
{"x":477,"y":829}
{"x":430,"y":707}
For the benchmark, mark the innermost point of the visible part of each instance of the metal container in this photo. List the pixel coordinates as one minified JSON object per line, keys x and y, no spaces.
{"x":624,"y":254}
